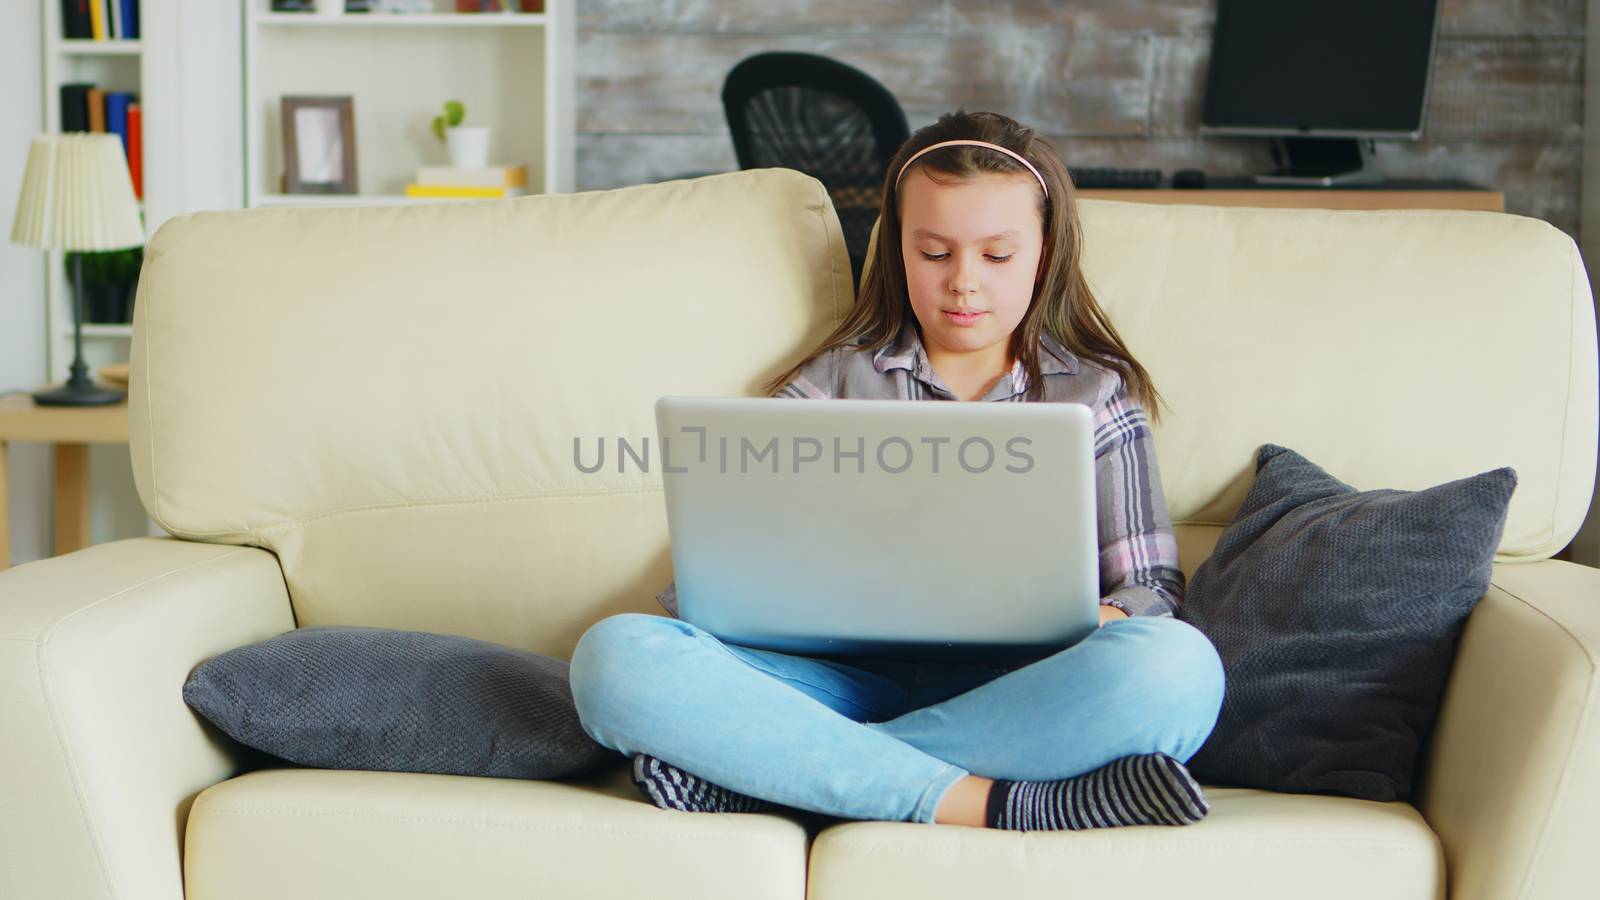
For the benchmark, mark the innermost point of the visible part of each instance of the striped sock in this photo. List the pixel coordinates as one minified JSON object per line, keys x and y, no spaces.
{"x":670,"y":787}
{"x":1149,"y":789}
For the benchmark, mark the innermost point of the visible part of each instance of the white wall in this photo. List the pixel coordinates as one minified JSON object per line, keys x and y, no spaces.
{"x":22,"y":333}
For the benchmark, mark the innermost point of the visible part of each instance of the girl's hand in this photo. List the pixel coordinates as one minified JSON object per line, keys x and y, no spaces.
{"x":1110,"y":614}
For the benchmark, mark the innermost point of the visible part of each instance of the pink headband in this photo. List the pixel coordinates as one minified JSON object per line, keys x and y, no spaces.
{"x":1011,"y":153}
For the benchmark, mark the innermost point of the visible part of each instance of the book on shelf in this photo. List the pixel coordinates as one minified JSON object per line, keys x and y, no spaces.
{"x":97,"y":19}
{"x":456,"y":190}
{"x":130,"y":19}
{"x":97,"y":109}
{"x":100,"y":20}
{"x":136,"y":148}
{"x":486,"y":176}
{"x":75,"y":21}
{"x":85,"y":107}
{"x":117,"y":115}
{"x":75,"y":106}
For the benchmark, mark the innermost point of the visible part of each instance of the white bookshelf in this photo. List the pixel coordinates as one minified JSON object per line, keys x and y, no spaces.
{"x":185,"y":75}
{"x":513,"y":71}
{"x":112,"y":66}
{"x":185,"y":71}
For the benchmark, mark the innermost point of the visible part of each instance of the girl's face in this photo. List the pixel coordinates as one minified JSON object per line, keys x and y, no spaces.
{"x":972,"y":251}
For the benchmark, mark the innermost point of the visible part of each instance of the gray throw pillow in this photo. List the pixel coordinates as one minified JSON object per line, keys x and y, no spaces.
{"x":1336,"y":613}
{"x":349,"y":697}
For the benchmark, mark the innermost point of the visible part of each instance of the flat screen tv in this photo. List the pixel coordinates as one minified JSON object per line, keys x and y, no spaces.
{"x":1323,"y":78}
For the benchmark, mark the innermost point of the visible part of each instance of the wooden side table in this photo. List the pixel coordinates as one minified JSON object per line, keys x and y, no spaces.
{"x":71,"y":429}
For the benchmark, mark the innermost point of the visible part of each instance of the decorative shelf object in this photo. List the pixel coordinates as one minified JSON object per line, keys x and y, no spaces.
{"x":514,"y":72}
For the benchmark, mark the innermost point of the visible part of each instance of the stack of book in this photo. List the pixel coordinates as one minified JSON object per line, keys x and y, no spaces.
{"x":85,"y":107}
{"x":450,"y":181}
{"x":100,"y":20}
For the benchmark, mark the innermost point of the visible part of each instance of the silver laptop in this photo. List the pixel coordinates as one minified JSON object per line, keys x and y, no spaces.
{"x":883,"y":527}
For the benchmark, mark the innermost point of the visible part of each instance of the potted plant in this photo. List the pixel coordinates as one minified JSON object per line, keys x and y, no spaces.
{"x":468,"y":144}
{"x":109,"y":281}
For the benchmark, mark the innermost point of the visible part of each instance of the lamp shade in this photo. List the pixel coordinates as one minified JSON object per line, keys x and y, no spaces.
{"x":77,"y":195}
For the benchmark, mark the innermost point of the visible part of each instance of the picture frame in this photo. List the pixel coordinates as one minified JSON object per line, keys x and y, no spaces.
{"x":319,"y":145}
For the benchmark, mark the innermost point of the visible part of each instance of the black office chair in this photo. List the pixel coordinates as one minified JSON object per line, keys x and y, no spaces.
{"x":831,"y":121}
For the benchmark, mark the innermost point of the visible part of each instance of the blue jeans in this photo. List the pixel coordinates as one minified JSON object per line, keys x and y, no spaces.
{"x":885,"y":739}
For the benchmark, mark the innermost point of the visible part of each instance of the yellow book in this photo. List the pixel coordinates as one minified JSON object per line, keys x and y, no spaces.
{"x":97,"y":19}
{"x":455,"y":190}
{"x":488,"y":176}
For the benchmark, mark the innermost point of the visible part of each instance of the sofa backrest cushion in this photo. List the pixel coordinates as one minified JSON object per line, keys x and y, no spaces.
{"x":388,"y":397}
{"x":1397,"y":348}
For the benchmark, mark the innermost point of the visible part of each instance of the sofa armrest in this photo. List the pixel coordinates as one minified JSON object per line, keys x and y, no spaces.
{"x":100,"y":758}
{"x":1512,"y":780}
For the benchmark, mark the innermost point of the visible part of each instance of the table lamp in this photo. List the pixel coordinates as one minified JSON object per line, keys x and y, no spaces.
{"x":77,"y":195}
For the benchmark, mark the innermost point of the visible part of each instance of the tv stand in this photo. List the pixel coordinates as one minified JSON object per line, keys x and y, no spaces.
{"x":1393,"y":193}
{"x":1321,"y":162}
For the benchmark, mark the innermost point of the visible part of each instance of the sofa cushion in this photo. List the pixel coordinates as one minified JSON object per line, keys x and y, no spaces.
{"x":387,"y":397}
{"x":1253,"y":845}
{"x":316,"y":833}
{"x":398,"y":701}
{"x":1336,"y":613}
{"x":1409,"y":322}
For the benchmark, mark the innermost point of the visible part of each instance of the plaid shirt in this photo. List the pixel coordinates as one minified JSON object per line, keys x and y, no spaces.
{"x":1139,"y":571}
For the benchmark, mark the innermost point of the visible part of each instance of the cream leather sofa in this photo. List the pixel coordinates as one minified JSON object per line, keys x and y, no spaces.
{"x":366,"y":416}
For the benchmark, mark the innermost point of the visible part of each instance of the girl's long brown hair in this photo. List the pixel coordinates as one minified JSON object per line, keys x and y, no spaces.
{"x":1062,"y":304}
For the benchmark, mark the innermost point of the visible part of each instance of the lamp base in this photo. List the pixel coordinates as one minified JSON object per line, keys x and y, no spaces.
{"x":80,"y":389}
{"x":83,"y":395}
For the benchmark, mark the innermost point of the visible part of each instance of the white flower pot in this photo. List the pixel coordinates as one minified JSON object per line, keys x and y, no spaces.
{"x":469,"y":146}
{"x":330,"y":7}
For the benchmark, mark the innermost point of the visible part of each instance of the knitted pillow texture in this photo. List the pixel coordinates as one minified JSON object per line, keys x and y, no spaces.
{"x":346,"y":697}
{"x":1336,"y":613}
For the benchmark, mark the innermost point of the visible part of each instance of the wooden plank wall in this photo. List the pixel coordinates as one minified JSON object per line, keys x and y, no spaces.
{"x":1110,"y":82}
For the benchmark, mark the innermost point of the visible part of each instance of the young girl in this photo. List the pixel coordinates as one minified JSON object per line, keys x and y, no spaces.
{"x":974,"y":293}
